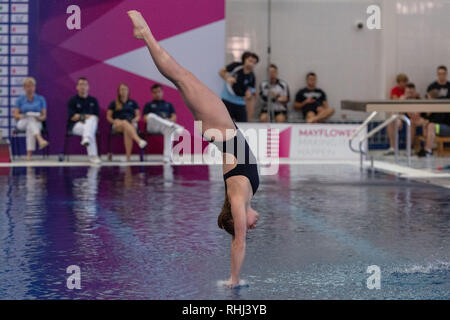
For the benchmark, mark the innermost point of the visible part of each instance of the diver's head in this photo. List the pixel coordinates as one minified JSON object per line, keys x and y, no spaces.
{"x":225,"y":220}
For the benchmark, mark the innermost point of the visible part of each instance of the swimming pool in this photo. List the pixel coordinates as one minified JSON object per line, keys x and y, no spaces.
{"x":151,"y":233}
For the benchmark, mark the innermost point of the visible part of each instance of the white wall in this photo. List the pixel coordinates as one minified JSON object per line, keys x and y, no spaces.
{"x":416,"y":40}
{"x":320,"y":36}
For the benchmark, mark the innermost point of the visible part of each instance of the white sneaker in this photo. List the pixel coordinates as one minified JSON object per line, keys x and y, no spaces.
{"x":85,"y":142}
{"x":177,"y":129}
{"x":389,"y":152}
{"x":95,"y":160}
{"x":142,"y":144}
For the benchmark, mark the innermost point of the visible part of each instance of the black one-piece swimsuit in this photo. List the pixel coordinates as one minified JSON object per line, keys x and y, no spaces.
{"x":246,"y":161}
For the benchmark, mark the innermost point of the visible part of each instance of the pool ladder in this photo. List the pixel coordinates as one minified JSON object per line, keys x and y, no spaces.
{"x":381,"y":126}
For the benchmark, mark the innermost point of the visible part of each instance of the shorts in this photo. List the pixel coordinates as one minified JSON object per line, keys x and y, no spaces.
{"x":442,"y":130}
{"x":309,"y":108}
{"x":237,"y":113}
{"x":276,"y":113}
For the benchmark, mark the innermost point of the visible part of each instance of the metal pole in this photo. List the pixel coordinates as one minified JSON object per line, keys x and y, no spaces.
{"x":270,"y":111}
{"x":396,"y":140}
{"x":408,"y":141}
{"x":379,"y":127}
{"x":361,"y":156}
{"x":408,"y":137}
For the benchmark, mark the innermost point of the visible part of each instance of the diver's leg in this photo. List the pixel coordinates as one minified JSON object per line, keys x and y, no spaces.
{"x":202,"y":101}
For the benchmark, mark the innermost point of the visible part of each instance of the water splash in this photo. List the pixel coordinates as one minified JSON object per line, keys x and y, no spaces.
{"x":225,"y":283}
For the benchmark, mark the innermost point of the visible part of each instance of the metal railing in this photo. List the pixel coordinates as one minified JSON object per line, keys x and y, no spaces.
{"x":378,"y":128}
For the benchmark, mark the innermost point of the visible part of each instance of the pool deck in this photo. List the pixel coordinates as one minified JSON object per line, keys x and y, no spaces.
{"x":422,"y":169}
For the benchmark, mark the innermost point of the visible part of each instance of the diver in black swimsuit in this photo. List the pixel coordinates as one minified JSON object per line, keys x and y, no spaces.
{"x":246,"y":162}
{"x":241,"y":177}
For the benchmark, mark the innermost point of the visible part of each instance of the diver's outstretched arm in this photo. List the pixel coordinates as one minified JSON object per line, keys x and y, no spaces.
{"x":238,"y":242}
{"x":203,"y":103}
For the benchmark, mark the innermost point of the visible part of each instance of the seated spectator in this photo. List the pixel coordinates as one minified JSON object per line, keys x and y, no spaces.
{"x":30,"y":112}
{"x":83,"y":111}
{"x":415,"y":118}
{"x":399,"y":90}
{"x":438,"y":122}
{"x":410,"y":92}
{"x":397,"y":93}
{"x":238,"y":93}
{"x":437,"y":127}
{"x":442,"y":86}
{"x":124,"y":115}
{"x":160,"y":117}
{"x":277,"y":91}
{"x":312,"y":102}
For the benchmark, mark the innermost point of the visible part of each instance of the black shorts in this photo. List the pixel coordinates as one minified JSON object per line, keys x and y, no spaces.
{"x":443,"y":130}
{"x":276,"y":113}
{"x":237,"y":113}
{"x":309,"y":108}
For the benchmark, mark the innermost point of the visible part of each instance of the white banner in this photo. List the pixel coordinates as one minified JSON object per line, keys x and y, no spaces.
{"x":304,"y":141}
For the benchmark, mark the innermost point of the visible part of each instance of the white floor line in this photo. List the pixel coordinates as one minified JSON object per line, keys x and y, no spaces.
{"x":406,"y":171}
{"x":78,"y":164}
{"x":77,"y":161}
{"x":318,"y":162}
{"x":387,"y":167}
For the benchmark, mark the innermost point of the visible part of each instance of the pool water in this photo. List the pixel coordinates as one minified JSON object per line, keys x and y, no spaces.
{"x":151,"y":233}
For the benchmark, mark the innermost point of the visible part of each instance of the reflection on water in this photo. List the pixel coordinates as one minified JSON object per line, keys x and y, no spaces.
{"x":151,"y":233}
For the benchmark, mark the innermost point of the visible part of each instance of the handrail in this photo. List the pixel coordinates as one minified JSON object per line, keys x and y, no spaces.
{"x":364,"y":124}
{"x":408,"y":137}
{"x":385,"y":124}
{"x":361,"y":127}
{"x":380,"y":127}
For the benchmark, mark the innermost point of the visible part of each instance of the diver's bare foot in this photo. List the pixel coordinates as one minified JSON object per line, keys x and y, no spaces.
{"x":140,"y":25}
{"x":311,"y":120}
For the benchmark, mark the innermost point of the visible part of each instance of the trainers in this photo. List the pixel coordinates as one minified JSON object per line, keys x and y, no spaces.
{"x":85,"y":142}
{"x":95,"y":160}
{"x":167,"y":159}
{"x":179,"y":130}
{"x":424,"y":153}
{"x":142,"y":144}
{"x":389,"y":152}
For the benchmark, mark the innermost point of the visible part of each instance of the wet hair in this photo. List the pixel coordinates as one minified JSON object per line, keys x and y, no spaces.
{"x":311,"y":74}
{"x":225,"y":219}
{"x":248,"y":54}
{"x":155,"y":86}
{"x":442,"y":68}
{"x":411,"y":85}
{"x":402,"y":78}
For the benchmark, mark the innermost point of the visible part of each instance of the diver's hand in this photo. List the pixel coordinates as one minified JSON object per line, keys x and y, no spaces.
{"x":230,"y":283}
